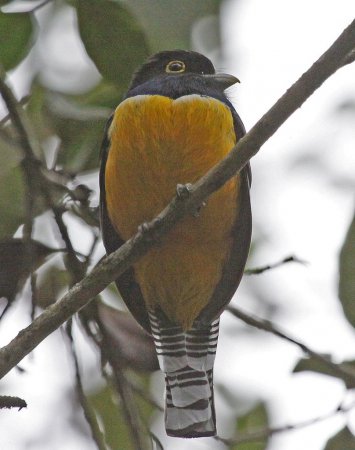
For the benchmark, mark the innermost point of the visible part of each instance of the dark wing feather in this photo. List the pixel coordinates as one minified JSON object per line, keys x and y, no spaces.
{"x":234,"y":267}
{"x":126,"y":283}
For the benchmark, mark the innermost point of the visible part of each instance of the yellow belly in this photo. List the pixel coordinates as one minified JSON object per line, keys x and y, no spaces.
{"x":156,"y":143}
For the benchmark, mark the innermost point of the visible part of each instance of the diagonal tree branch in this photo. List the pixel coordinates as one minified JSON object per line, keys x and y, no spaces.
{"x":115,"y":264}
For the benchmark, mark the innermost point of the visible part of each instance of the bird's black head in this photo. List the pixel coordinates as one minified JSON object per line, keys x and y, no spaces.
{"x":179,"y":65}
{"x":174,"y":62}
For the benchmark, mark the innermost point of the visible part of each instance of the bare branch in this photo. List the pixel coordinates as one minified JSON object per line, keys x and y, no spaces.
{"x":260,"y":435}
{"x":137,"y":431}
{"x":345,"y":374}
{"x":115,"y":264}
{"x":96,"y":433}
{"x":262,"y":269}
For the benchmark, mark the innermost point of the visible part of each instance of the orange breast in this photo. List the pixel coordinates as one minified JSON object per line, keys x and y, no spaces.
{"x":156,"y":143}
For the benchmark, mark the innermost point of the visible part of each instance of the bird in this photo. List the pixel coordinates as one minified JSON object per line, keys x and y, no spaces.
{"x":175,"y":123}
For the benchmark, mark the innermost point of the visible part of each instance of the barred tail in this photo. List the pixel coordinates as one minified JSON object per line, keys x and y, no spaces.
{"x":186,"y":358}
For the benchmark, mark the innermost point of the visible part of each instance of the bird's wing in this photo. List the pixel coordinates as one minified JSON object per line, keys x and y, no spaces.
{"x":234,"y":266}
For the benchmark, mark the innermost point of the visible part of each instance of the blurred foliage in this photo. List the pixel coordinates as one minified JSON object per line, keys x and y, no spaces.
{"x":50,"y":284}
{"x":254,"y":420}
{"x":113,"y":423}
{"x":116,"y":50}
{"x":344,"y":440}
{"x":17,"y":260}
{"x":11,"y":188}
{"x":314,"y":365}
{"x":16,"y":37}
{"x":131,"y":345}
{"x":168,"y":24}
{"x":109,"y":410}
{"x":346,"y":274}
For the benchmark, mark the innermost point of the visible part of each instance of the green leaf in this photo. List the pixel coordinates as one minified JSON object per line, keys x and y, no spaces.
{"x":113,"y":39}
{"x":168,"y":23}
{"x":16,"y":34}
{"x":11,"y":201}
{"x":49,"y":285}
{"x":115,"y":429}
{"x":314,"y":365}
{"x":346,"y":274}
{"x":37,"y":113}
{"x":256,"y":419}
{"x":344,"y":440}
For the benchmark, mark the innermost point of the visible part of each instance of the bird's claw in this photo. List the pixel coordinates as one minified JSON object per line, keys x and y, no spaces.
{"x":183,"y":191}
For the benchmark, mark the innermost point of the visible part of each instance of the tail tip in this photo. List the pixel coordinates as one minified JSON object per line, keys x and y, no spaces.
{"x":191,"y":432}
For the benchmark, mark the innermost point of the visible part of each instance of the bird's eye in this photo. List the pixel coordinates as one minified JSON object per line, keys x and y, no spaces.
{"x":175,"y":67}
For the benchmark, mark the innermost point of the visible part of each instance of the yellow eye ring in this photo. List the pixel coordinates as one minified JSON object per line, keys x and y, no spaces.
{"x":175,"y":67}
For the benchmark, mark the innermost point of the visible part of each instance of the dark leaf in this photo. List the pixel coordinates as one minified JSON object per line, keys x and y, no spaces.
{"x":16,"y":36}
{"x":131,"y":346}
{"x":344,"y":440}
{"x":113,"y":39}
{"x":313,"y":365}
{"x":255,"y":419}
{"x":346,"y":274}
{"x":16,"y":264}
{"x":8,"y":402}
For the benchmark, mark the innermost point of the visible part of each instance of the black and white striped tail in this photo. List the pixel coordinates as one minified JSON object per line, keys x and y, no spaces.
{"x":187,"y":358}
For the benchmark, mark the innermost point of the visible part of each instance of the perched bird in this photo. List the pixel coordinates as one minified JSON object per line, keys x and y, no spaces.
{"x":174,"y":124}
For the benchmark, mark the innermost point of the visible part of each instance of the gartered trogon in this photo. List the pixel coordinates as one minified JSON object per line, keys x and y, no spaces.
{"x":174,"y":124}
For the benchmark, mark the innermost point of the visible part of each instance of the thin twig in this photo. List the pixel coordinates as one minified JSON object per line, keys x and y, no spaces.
{"x":260,"y":435}
{"x":115,"y":264}
{"x":262,"y":269}
{"x":28,"y":143}
{"x":7,"y":117}
{"x":118,"y":380}
{"x":34,"y":297}
{"x":96,"y":433}
{"x":346,"y":375}
{"x":130,"y":411}
{"x":72,"y":262}
{"x":36,"y":8}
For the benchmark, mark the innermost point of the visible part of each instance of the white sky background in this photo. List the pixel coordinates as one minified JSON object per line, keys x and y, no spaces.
{"x":302,"y":195}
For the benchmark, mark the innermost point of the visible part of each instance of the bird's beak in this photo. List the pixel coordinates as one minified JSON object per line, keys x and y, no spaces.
{"x":222,"y":80}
